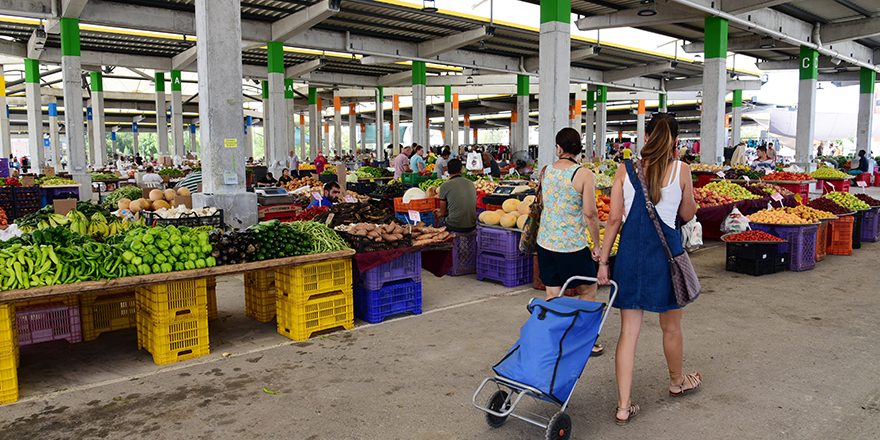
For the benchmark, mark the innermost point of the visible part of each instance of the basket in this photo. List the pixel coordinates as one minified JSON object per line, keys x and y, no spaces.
{"x":107,"y":311}
{"x":364,"y":245}
{"x":755,"y":259}
{"x":510,"y":273}
{"x":8,"y":379}
{"x":299,"y":283}
{"x":48,"y":322}
{"x":840,"y":233}
{"x":415,"y":179}
{"x":165,"y":301}
{"x":259,"y":295}
{"x":421,"y":205}
{"x":298,"y":321}
{"x":361,"y":188}
{"x":26,"y":197}
{"x":822,"y":241}
{"x":192,"y":221}
{"x":374,"y":305}
{"x":464,"y":254}
{"x":404,"y":268}
{"x":857,"y":229}
{"x":501,"y":242}
{"x":871,"y":225}
{"x":800,"y":243}
{"x":426,"y":217}
{"x":181,"y":338}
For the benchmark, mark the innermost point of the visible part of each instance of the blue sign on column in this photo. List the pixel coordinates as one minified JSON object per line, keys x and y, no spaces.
{"x":46,"y":142}
{"x":134,"y":127}
{"x":88,"y":113}
{"x":53,"y":109}
{"x":192,"y":128}
{"x":112,"y":135}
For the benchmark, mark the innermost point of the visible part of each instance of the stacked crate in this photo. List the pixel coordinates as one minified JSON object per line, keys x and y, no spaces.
{"x":800,"y":243}
{"x":314,"y":297}
{"x":499,"y":258}
{"x":464,"y":254}
{"x":43,"y":320}
{"x":8,"y":354}
{"x":840,"y":235}
{"x":107,"y":311}
{"x":389,"y":289}
{"x":211,"y":287}
{"x":259,"y":295}
{"x":172,"y":320}
{"x":871,"y":225}
{"x":425,"y":208}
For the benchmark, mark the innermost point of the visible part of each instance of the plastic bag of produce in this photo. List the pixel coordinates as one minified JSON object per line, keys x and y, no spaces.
{"x":474,"y":161}
{"x":735,"y":222}
{"x":692,"y":235}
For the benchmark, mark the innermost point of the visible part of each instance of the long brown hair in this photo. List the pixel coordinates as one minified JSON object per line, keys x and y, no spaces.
{"x":658,"y":152}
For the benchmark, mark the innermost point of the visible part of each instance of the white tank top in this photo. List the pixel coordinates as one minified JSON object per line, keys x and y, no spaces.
{"x":670,"y":197}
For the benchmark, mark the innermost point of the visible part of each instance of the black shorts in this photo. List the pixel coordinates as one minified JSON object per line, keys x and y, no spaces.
{"x":556,"y":267}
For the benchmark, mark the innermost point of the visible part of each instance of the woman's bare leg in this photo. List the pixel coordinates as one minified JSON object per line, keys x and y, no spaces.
{"x":625,"y":359}
{"x":673,"y":345}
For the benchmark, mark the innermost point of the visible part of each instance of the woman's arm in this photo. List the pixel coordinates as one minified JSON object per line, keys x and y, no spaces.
{"x":612,"y":225}
{"x":585,"y":184}
{"x":688,"y":207}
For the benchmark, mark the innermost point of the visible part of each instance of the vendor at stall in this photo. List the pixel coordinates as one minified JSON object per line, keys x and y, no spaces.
{"x":417,"y":162}
{"x":267,"y":180}
{"x":859,"y":166}
{"x":458,"y":196}
{"x":401,"y":162}
{"x":285,"y":177}
{"x":442,"y":162}
{"x":151,"y":176}
{"x":331,"y":195}
{"x":763,"y":162}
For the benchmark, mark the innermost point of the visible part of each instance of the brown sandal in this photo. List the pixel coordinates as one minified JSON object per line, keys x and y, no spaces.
{"x":632,"y":410}
{"x":694,"y":379}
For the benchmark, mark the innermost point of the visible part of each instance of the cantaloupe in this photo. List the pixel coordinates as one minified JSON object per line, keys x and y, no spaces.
{"x":135,"y":206}
{"x":169,"y":195}
{"x":529,"y":199}
{"x":156,"y":195}
{"x":510,"y":205}
{"x":484,"y":215}
{"x":492,"y":218}
{"x":524,"y":207}
{"x":508,"y":220}
{"x":183,"y":191}
{"x":161,"y":204}
{"x":146,"y":204}
{"x":521,"y":221}
{"x":123,"y":203}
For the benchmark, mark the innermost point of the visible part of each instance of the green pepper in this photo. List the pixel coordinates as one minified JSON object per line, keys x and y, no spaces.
{"x":176,"y":250}
{"x":189,"y":265}
{"x":128,"y":256}
{"x":156,"y":268}
{"x":164,"y":235}
{"x":185,"y":240}
{"x":163,"y":244}
{"x":143,"y":269}
{"x":148,"y":259}
{"x":175,"y":239}
{"x":207,"y":249}
{"x":210,"y":262}
{"x":137,"y":261}
{"x":179,"y":266}
{"x":200,"y":264}
{"x":131,"y":269}
{"x":203,"y":238}
{"x":160,"y":259}
{"x":166,"y":267}
{"x":192,"y":256}
{"x":147,"y":239}
{"x":137,"y":246}
{"x":154,"y":251}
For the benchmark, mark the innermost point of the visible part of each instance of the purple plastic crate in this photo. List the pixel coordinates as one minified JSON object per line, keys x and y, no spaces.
{"x":374,"y":305}
{"x":800,"y":243}
{"x":871,"y":226}
{"x":511,"y":273}
{"x":464,"y":254}
{"x":501,"y":242}
{"x":407,"y":267}
{"x":48,"y":322}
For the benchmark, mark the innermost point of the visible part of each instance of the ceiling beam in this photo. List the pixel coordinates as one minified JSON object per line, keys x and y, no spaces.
{"x":667,"y":13}
{"x":44,"y":9}
{"x":824,"y":63}
{"x":503,"y":106}
{"x":531,"y":64}
{"x":696,"y":84}
{"x":395,"y":79}
{"x":748,"y":43}
{"x":298,"y":22}
{"x":635,"y":72}
{"x":850,"y":30}
{"x":431,"y":48}
{"x":741,"y":6}
{"x":72,"y":8}
{"x":339,"y":79}
{"x":184,"y":59}
{"x":840,"y":77}
{"x":304,"y":68}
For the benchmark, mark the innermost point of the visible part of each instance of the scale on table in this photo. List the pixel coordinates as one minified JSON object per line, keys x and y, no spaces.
{"x":270,"y":191}
{"x":505,"y":192}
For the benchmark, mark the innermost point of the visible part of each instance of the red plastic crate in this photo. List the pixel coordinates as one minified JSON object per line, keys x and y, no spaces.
{"x":406,"y":267}
{"x":836,"y":185}
{"x":501,"y":242}
{"x":840,"y":233}
{"x":822,"y":241}
{"x":703,"y":179}
{"x":420,"y":205}
{"x":803,"y":189}
{"x":877,"y":179}
{"x":48,"y":322}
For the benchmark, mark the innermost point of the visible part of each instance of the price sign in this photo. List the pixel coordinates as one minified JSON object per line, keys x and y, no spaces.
{"x":512,"y":172}
{"x":487,"y":170}
{"x":350,"y":199}
{"x":316,"y":195}
{"x":747,"y":179}
{"x":415,"y":216}
{"x":862,"y":184}
{"x":777,"y":197}
{"x":720,"y":174}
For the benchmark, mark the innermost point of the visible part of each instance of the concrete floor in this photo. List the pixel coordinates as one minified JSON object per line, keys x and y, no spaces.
{"x":790,"y":355}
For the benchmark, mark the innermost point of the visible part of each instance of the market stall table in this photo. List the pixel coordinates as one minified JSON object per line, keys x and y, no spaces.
{"x":711,"y":217}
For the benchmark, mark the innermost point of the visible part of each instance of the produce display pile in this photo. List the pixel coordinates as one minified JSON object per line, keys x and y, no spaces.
{"x":777,"y":216}
{"x":173,"y":172}
{"x":392,"y":189}
{"x":263,"y":241}
{"x":486,"y":186}
{"x":166,"y":249}
{"x":762,"y":189}
{"x":512,"y":215}
{"x":828,"y":173}
{"x":55,"y":181}
{"x":602,"y":241}
{"x":321,"y":238}
{"x":603,"y":180}
{"x":376,"y":232}
{"x":829,"y":205}
{"x":706,"y":198}
{"x":787,"y":177}
{"x":809,"y":214}
{"x":868,"y":199}
{"x":4,"y":221}
{"x":752,"y":236}
{"x":10,"y":181}
{"x":181,"y":211}
{"x":309,"y":213}
{"x":370,"y":172}
{"x":847,"y":200}
{"x":86,"y":219}
{"x":309,"y":181}
{"x":603,"y":205}
{"x":101,"y":176}
{"x":110,"y":202}
{"x":732,"y":190}
{"x":345,"y":213}
{"x":429,"y":183}
{"x":706,"y":168}
{"x":739,"y":172}
{"x":157,"y":201}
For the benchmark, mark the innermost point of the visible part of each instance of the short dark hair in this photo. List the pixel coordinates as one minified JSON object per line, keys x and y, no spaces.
{"x":419,"y":148}
{"x":445,"y":152}
{"x":762,"y":148}
{"x":453,"y":166}
{"x":332,"y":184}
{"x":269,"y":174}
{"x":862,"y":153}
{"x":569,"y":140}
{"x":150,"y":169}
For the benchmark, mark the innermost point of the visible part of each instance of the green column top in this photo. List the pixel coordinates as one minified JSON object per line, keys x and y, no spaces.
{"x":420,"y":73}
{"x":288,"y":88}
{"x":662,"y":104}
{"x":265,"y":89}
{"x":70,"y":37}
{"x":591,"y":99}
{"x":313,"y":96}
{"x":97,"y":82}
{"x":715,"y":38}
{"x":447,"y":93}
{"x":809,"y":63}
{"x":275,"y":51}
{"x":160,"y":82}
{"x":31,"y":71}
{"x":522,"y":85}
{"x":555,"y":10}
{"x":867,"y":79}
{"x":737,"y":98}
{"x":176,"y":82}
{"x":381,"y":93}
{"x":602,"y":94}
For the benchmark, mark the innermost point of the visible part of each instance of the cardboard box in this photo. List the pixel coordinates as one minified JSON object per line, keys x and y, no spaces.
{"x":63,"y":206}
{"x":166,"y":161}
{"x":49,"y":171}
{"x":184,"y":200}
{"x":27,"y":181}
{"x":146,"y":192}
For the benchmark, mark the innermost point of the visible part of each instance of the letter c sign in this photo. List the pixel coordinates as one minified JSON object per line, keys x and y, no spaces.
{"x":805,"y":63}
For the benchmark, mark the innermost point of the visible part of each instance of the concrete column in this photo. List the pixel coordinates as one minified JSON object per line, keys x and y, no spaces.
{"x":363,"y":138}
{"x":736,"y":127}
{"x":589,"y":130}
{"x":134,"y":138}
{"x":275,"y":132}
{"x":88,"y":133}
{"x":395,"y":125}
{"x":248,"y":136}
{"x":447,"y":114}
{"x":866,"y":111}
{"x":380,"y":123}
{"x":579,"y":99}
{"x":476,"y":137}
{"x":326,"y":147}
{"x":161,"y":116}
{"x":218,"y":24}
{"x":5,"y":135}
{"x":34,"y":114}
{"x":661,"y":108}
{"x":314,"y":124}
{"x":522,"y":114}
{"x":337,"y":124}
{"x":454,"y":143}
{"x":53,"y":136}
{"x":514,"y":122}
{"x":352,"y":128}
{"x":806,"y":113}
{"x":177,"y":114}
{"x":713,"y":134}
{"x":112,"y":147}
{"x":302,"y":136}
{"x":554,"y":63}
{"x":640,"y":127}
{"x":601,"y":121}
{"x":99,"y":129}
{"x":467,"y":129}
{"x":420,"y":102}
{"x":290,"y":120}
{"x":71,"y":71}
{"x":192,"y":139}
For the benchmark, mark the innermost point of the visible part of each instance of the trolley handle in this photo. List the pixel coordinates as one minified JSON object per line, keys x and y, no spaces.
{"x":612,"y":295}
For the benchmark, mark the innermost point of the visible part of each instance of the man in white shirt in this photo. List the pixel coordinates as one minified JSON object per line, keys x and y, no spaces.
{"x":151,"y":176}
{"x":293,"y":164}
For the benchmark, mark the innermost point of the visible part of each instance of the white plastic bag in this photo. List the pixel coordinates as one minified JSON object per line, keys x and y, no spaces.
{"x":474,"y":161}
{"x":735,"y":222}
{"x":692,"y":235}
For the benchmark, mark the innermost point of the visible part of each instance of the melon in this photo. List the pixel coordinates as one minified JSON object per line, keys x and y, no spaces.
{"x":529,"y":199}
{"x":484,"y":215}
{"x":161,"y":204}
{"x":169,"y":195}
{"x":183,"y":191}
{"x":135,"y":206}
{"x":521,"y":221}
{"x":508,"y":220}
{"x":146,"y":204}
{"x":492,"y":218}
{"x":123,"y":203}
{"x":156,"y":195}
{"x":510,"y":205}
{"x":524,"y":207}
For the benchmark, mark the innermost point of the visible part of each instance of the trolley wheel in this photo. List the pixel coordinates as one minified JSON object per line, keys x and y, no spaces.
{"x":559,"y":427}
{"x":496,"y":402}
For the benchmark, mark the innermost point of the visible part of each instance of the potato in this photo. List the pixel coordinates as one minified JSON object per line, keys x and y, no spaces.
{"x":387,"y":237}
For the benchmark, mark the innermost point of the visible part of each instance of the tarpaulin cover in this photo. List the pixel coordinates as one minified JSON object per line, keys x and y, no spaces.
{"x":554,"y":346}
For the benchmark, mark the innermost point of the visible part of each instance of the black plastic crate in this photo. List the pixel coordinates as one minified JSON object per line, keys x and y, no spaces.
{"x":26,"y":197}
{"x":364,"y":245}
{"x":755,"y":258}
{"x":329,"y":178}
{"x":192,"y":221}
{"x":6,"y":202}
{"x":857,"y":229}
{"x":362,"y":188}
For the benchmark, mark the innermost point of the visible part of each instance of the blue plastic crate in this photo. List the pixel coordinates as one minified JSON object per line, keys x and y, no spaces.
{"x":871,"y":226}
{"x":374,"y":306}
{"x":427,"y":218}
{"x":511,"y":273}
{"x":501,"y":242}
{"x":404,"y":268}
{"x":800,"y":243}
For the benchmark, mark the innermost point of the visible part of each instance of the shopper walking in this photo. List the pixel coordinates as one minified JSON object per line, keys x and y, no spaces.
{"x":642,"y":270}
{"x":293,"y":163}
{"x":401,"y":162}
{"x":569,"y":214}
{"x":417,"y":162}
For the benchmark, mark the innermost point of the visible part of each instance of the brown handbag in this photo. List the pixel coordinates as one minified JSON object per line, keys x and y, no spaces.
{"x":528,"y":242}
{"x":684,"y":279}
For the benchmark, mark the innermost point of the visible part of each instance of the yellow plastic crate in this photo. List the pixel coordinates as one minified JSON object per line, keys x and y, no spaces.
{"x":181,"y":339}
{"x":107,"y":311}
{"x":305,"y":281}
{"x":261,"y":279}
{"x":259,"y":303}
{"x":321,"y":312}
{"x":8,"y":332}
{"x":165,"y":300}
{"x":70,"y":301}
{"x":212,"y":299}
{"x":8,"y":379}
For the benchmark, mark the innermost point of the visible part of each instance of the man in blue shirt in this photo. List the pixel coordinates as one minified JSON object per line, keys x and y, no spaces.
{"x":331,"y":195}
